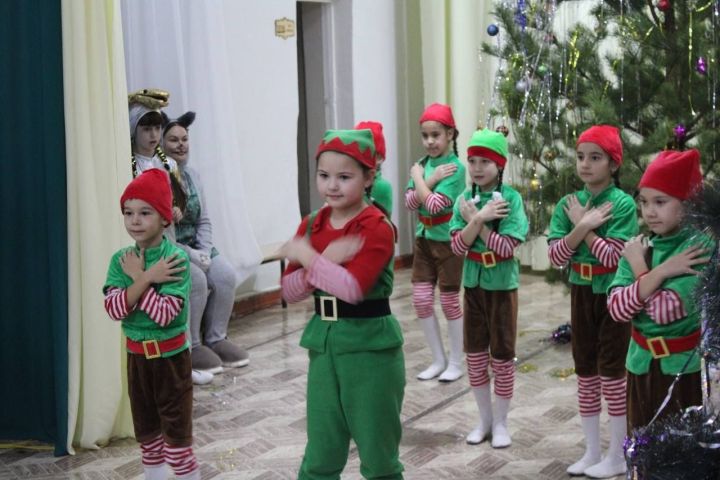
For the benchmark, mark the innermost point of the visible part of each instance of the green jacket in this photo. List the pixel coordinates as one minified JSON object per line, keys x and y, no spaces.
{"x":504,"y":275}
{"x":382,"y":193}
{"x":451,"y":187}
{"x":638,"y":359}
{"x":138,"y":326}
{"x":623,"y":225}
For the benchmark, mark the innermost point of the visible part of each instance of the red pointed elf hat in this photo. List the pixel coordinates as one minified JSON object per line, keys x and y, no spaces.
{"x":438,"y":112}
{"x":377,"y":131}
{"x":151,"y":186}
{"x":607,"y":137}
{"x":675,"y":173}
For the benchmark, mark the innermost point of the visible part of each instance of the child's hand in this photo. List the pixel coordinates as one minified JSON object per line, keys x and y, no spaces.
{"x":634,"y":252}
{"x":493,"y":210}
{"x":575,"y":210}
{"x":343,"y":249}
{"x":468,"y":209}
{"x":417,"y":171}
{"x":297,"y":249}
{"x":443,"y":171}
{"x":682,"y":263}
{"x":133,"y":264}
{"x":597,"y":216}
{"x":177,"y":214}
{"x":165,"y":270}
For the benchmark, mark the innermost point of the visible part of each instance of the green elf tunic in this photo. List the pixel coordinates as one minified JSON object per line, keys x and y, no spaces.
{"x":356,"y":378}
{"x":451,"y":187}
{"x":622,"y":226}
{"x":638,"y":359}
{"x":382,"y":193}
{"x":504,"y":275}
{"x":138,"y":326}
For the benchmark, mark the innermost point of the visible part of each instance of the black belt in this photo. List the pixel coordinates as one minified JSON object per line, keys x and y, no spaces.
{"x":331,"y":308}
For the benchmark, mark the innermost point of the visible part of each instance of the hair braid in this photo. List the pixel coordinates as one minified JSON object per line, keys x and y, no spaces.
{"x":616,"y":177}
{"x":496,"y":222}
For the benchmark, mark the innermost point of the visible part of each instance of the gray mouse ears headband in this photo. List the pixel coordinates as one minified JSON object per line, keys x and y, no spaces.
{"x":184,"y":120}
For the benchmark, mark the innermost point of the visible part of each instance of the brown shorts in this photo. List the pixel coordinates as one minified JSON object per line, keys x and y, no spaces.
{"x":161,"y":396}
{"x":434,"y":262}
{"x":490,"y":321}
{"x":599,"y":344}
{"x":645,"y":394}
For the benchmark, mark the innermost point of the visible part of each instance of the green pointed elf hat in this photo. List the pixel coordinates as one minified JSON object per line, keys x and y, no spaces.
{"x":357,"y":144}
{"x":489,"y":144}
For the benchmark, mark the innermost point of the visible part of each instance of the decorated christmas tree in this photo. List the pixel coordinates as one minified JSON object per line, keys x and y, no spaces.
{"x":649,"y":68}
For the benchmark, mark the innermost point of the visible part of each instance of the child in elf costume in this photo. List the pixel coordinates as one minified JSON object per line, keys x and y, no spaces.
{"x":147,"y":288}
{"x":653,"y":289}
{"x":588,"y":229}
{"x":381,"y":192}
{"x":436,"y":181}
{"x":343,"y":255}
{"x":488,"y":223}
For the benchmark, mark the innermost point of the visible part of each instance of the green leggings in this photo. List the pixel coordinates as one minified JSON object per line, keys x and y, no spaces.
{"x":354,"y":395}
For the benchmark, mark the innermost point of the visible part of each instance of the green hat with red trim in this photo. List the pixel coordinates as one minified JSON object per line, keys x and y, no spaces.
{"x":489,"y":144}
{"x":357,"y":144}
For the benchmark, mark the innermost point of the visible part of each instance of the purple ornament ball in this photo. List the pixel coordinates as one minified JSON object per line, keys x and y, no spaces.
{"x":701,"y":66}
{"x":679,"y":130}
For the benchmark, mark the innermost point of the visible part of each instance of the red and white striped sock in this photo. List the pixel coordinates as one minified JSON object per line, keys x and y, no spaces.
{"x":589,"y":395}
{"x":504,"y":371}
{"x":152,"y":452}
{"x":181,"y":459}
{"x":423,"y":298}
{"x":615,"y":392}
{"x":450,"y":304}
{"x":477,"y":365}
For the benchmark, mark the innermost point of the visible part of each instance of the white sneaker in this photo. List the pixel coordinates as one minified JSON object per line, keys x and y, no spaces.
{"x":201,"y":377}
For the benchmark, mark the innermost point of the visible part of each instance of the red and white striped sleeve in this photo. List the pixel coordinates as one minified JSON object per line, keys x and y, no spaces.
{"x":295,"y":286}
{"x":624,"y":302}
{"x":436,"y":202}
{"x":334,"y":279}
{"x":116,"y":303}
{"x":412,"y":202}
{"x":457,"y":245}
{"x":665,"y":306}
{"x":607,"y":250}
{"x":559,"y":252}
{"x":162,"y":309}
{"x":502,"y":244}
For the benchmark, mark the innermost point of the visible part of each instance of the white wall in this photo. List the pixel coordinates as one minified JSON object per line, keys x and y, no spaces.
{"x":374,"y":81}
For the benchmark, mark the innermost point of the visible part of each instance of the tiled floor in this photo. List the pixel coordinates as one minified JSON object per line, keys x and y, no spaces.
{"x":250,"y":424}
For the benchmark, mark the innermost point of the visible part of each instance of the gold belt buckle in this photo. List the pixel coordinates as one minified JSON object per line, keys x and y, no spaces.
{"x":155,"y":347}
{"x":586,"y":271}
{"x":488,"y":259}
{"x":658,"y":347}
{"x":332,"y":304}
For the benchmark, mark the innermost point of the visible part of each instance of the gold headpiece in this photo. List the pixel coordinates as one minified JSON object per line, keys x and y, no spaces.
{"x":152,"y":98}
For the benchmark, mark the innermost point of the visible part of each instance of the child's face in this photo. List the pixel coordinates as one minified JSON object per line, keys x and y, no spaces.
{"x":341,"y":181}
{"x":177,"y":143}
{"x":661,"y":212}
{"x":436,"y":138}
{"x":143,"y":223}
{"x":147,"y":137}
{"x":594,"y":166}
{"x":483,"y":172}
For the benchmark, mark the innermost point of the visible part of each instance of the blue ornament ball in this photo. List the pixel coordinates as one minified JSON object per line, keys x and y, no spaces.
{"x":493,"y":30}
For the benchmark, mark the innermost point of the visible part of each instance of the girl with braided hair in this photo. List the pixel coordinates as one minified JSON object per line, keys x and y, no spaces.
{"x":435,"y":183}
{"x":587,"y":232}
{"x":488,"y":224}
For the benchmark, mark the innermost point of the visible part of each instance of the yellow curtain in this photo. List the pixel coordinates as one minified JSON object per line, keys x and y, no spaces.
{"x":98,"y":168}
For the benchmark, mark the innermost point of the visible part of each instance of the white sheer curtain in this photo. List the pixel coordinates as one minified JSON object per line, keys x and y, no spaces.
{"x":181,"y":47}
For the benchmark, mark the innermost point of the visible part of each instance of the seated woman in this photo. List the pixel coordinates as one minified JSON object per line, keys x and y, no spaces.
{"x":213,"y":278}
